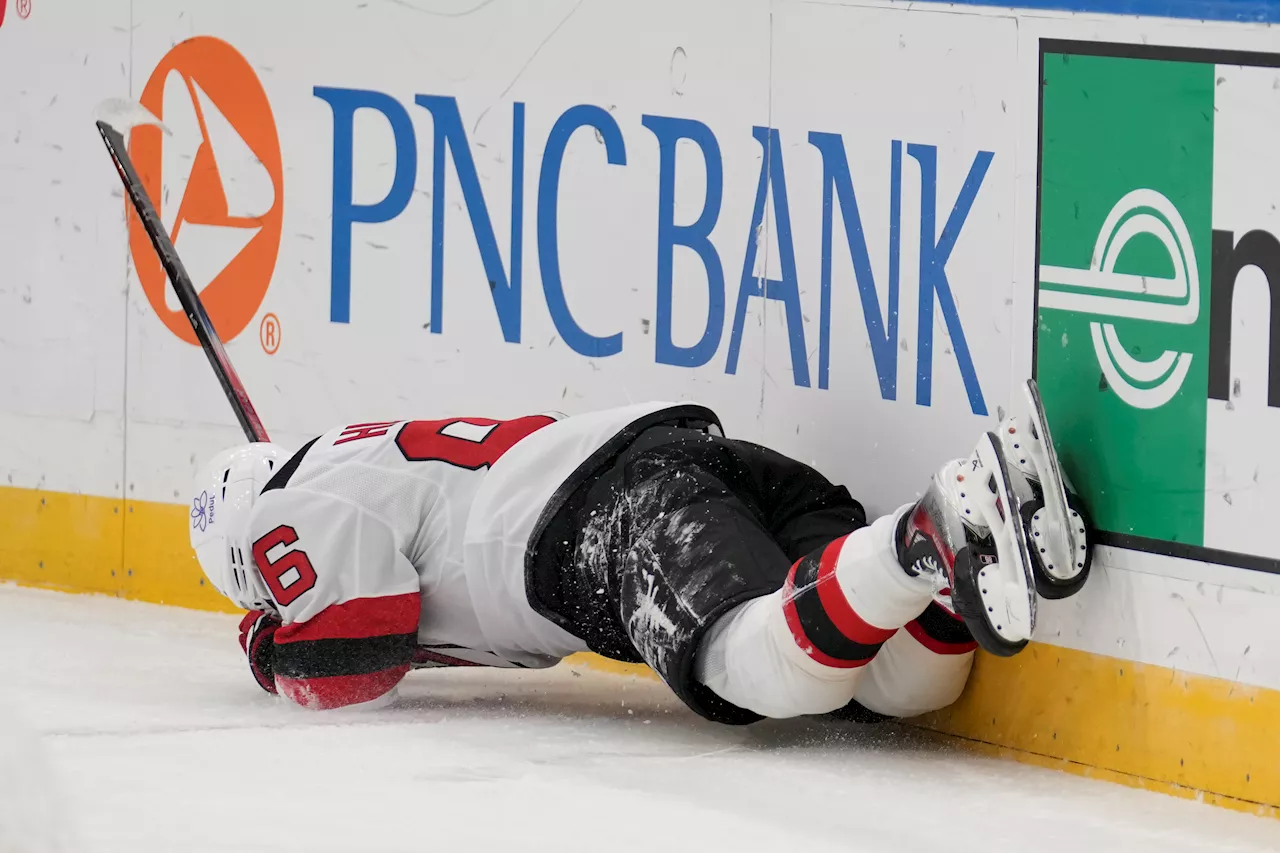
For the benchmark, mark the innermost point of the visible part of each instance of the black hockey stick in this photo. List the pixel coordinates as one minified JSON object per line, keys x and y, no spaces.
{"x":191,"y":305}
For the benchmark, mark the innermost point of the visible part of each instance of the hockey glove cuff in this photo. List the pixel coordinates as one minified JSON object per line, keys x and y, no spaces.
{"x":257,"y":639}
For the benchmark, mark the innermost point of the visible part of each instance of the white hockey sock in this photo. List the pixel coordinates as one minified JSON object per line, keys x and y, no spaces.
{"x":912,"y":675}
{"x":802,"y":649}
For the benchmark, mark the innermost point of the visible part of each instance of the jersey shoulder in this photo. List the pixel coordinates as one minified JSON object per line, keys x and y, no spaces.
{"x":315,"y":549}
{"x":470,"y":443}
{"x":348,"y":600}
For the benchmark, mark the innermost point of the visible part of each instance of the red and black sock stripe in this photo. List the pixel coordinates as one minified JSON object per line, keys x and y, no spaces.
{"x":941,"y":632}
{"x":822,"y":621}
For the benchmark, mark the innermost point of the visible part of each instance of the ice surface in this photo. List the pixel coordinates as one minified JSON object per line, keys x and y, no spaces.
{"x":31,"y":817}
{"x":160,"y":741}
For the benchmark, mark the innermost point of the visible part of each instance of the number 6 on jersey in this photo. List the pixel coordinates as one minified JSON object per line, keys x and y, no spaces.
{"x":291,"y":573}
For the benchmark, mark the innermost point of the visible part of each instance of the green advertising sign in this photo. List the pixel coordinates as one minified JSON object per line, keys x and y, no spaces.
{"x":1133,"y":319}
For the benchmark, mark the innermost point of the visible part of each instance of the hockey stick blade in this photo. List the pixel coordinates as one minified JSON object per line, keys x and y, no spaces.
{"x":123,"y":115}
{"x":114,"y":117}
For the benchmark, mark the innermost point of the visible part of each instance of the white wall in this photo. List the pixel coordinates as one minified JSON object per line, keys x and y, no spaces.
{"x":101,"y":397}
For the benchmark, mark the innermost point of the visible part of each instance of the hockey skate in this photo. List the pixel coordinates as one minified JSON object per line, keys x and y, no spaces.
{"x":1054,"y":517}
{"x":996,"y":527}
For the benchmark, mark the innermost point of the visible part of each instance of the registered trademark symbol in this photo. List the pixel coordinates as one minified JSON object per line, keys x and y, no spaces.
{"x":24,"y":8}
{"x":268,"y":332}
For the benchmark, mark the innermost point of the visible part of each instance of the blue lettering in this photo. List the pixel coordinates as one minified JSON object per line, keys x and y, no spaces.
{"x":696,"y":236}
{"x":786,"y":290}
{"x":935,"y":250}
{"x":583,"y":115}
{"x":505,"y":291}
{"x":344,"y":103}
{"x":882,"y":333}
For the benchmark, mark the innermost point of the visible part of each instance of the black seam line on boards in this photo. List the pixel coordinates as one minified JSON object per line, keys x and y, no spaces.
{"x":1168,"y":53}
{"x":939,"y":625}
{"x":281,"y":477}
{"x":817,"y":625}
{"x":1270,"y":565}
{"x":324,"y":658}
{"x":1035,"y":272}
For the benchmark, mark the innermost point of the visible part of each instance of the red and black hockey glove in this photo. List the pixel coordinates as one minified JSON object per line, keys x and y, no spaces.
{"x":257,"y":638}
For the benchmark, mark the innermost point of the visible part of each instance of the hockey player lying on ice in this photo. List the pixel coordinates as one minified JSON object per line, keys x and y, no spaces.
{"x":752,"y":585}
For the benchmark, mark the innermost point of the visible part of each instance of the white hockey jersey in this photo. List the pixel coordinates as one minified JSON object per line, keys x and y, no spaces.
{"x":390,"y":543}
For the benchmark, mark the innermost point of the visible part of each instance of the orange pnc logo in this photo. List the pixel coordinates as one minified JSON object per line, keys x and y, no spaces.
{"x":217,"y":184}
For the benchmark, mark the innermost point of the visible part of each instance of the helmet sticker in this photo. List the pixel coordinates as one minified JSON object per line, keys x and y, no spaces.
{"x":202,"y":511}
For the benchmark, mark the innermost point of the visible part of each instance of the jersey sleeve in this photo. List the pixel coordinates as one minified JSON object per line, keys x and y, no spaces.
{"x":348,"y":598}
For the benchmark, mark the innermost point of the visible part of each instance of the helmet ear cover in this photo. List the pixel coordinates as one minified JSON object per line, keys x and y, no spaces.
{"x":223,"y":497}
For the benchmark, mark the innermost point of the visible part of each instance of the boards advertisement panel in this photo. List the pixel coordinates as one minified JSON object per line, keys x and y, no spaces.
{"x":850,"y":227}
{"x":1156,"y":343}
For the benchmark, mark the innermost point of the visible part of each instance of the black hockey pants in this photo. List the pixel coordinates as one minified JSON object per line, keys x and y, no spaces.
{"x":680,"y":528}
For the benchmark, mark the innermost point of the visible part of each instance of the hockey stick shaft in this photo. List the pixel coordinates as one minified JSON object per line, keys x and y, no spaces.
{"x":191,"y":305}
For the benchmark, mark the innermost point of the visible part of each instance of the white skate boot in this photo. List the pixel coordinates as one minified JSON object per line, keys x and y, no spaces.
{"x":990,"y":533}
{"x":1054,"y":516}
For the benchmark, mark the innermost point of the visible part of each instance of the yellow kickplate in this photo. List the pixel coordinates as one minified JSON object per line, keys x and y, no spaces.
{"x":1073,"y":767}
{"x":1176,"y":729}
{"x":60,"y":541}
{"x":84,"y":543}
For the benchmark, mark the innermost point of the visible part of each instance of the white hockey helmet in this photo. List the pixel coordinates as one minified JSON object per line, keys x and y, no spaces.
{"x":224,"y":493}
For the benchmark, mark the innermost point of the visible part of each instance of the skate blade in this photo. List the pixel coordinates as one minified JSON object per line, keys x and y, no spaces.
{"x":1007,"y":587}
{"x":1058,"y":530}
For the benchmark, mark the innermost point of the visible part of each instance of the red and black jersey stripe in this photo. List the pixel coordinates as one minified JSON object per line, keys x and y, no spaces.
{"x":822,"y":621}
{"x":941,"y":632}
{"x":348,"y":653}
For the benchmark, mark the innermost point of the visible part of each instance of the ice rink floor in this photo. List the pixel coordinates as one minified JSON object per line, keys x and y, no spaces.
{"x":158,"y":740}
